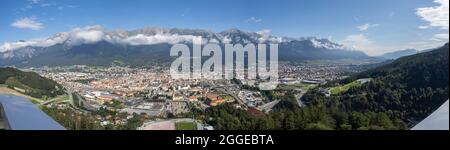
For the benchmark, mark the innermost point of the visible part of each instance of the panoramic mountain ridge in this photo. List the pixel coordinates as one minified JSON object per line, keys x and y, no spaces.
{"x":400,"y":53}
{"x":95,"y":45}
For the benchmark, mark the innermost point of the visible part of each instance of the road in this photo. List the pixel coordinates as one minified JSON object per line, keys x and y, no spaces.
{"x":299,"y":99}
{"x":268,"y":107}
{"x":48,"y":102}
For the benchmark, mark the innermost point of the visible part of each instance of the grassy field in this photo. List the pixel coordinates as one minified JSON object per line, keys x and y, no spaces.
{"x":344,"y":88}
{"x":3,"y":85}
{"x":185,"y":126}
{"x":303,"y":86}
{"x":8,"y":91}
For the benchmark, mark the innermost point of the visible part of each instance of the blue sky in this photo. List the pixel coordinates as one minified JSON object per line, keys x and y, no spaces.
{"x":374,"y":26}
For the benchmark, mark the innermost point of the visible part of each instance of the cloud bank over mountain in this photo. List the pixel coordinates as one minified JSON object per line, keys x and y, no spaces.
{"x":150,"y":36}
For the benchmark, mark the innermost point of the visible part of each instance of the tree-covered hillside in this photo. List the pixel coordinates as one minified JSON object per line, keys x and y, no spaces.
{"x":409,"y":88}
{"x":30,"y":83}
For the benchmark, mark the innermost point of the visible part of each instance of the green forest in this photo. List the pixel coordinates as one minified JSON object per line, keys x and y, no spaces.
{"x":30,"y":83}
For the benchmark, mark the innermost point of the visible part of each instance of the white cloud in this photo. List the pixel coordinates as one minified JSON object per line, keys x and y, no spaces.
{"x":423,"y":27}
{"x":93,"y":34}
{"x":357,"y":38}
{"x":58,"y":38}
{"x":30,"y":4}
{"x":366,"y":26}
{"x":361,"y":42}
{"x":28,"y":23}
{"x":34,"y":1}
{"x":90,"y":34}
{"x":443,"y":37}
{"x":45,"y":5}
{"x":424,"y":45}
{"x":254,"y":20}
{"x":266,"y":36}
{"x":265,"y":32}
{"x":436,"y":16}
{"x":142,"y":39}
{"x":226,"y":40}
{"x":87,"y":34}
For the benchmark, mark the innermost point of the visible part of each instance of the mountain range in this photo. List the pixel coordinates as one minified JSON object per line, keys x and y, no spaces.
{"x":400,"y":53}
{"x":95,"y":45}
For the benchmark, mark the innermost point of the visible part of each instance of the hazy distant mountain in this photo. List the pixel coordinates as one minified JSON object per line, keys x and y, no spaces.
{"x":398,"y":54}
{"x":96,"y":46}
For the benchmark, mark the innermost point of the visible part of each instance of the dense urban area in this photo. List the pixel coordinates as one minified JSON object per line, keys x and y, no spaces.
{"x":149,"y":99}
